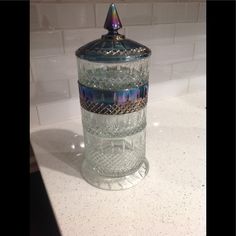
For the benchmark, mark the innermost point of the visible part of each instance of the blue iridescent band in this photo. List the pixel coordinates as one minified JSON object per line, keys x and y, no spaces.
{"x":113,"y":101}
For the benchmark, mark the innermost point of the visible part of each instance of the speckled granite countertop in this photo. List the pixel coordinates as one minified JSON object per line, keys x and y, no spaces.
{"x":169,"y":201}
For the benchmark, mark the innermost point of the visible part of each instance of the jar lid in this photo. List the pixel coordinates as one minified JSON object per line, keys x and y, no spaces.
{"x":113,"y":47}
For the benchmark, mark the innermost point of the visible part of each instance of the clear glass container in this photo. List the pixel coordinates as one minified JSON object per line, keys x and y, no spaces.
{"x":113,"y":87}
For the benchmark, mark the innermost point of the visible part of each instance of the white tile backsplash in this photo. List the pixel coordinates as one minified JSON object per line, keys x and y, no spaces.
{"x":75,"y":15}
{"x":32,"y":92}
{"x":201,"y":67}
{"x":175,"y":12}
{"x":188,"y":70}
{"x":132,"y":1}
{"x":46,"y":43}
{"x":152,"y":34}
{"x":34,"y":121}
{"x":66,"y":15}
{"x":50,"y":91}
{"x":75,"y":1}
{"x":197,"y":84}
{"x":170,"y":88}
{"x":31,"y":77}
{"x":74,"y":89}
{"x":34,"y":17}
{"x":167,"y":54}
{"x":159,"y":73}
{"x":74,"y":39}
{"x":50,"y":0}
{"x":48,"y":16}
{"x":163,"y":13}
{"x":189,"y":32}
{"x":135,"y":13}
{"x":129,"y":13}
{"x":200,"y":49}
{"x":101,"y":12}
{"x":202,"y":12}
{"x":55,"y":68}
{"x":191,"y":12}
{"x":59,"y":111}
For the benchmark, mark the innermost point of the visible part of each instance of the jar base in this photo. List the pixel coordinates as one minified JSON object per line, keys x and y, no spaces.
{"x":116,"y":183}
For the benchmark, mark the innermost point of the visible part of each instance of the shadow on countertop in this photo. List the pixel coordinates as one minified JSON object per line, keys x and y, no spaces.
{"x":64,"y":145}
{"x":42,"y":219}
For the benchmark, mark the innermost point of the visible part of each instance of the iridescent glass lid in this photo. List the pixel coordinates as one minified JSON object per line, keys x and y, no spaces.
{"x":113,"y":47}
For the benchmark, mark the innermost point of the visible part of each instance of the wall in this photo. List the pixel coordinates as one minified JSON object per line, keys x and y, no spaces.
{"x":175,"y":32}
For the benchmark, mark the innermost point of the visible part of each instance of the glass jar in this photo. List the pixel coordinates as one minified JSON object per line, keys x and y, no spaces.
{"x":113,"y":88}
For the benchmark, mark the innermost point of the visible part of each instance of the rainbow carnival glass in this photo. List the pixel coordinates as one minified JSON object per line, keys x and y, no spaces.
{"x":113,"y":88}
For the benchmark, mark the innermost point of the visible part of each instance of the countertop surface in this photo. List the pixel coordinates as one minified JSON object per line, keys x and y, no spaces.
{"x":169,"y":201}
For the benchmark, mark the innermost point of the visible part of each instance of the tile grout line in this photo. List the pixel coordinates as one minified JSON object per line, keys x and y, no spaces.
{"x":172,"y":71}
{"x":188,"y":85}
{"x":194,"y":48}
{"x":31,"y":73}
{"x":38,"y":115}
{"x":194,"y":45}
{"x":152,"y":13}
{"x":48,"y":56}
{"x":199,"y":5}
{"x":69,"y":88}
{"x":38,"y":9}
{"x":175,"y":26}
{"x":95,"y":17}
{"x":63,"y":42}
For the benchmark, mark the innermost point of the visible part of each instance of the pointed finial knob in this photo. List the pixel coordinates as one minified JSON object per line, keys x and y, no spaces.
{"x":112,"y":23}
